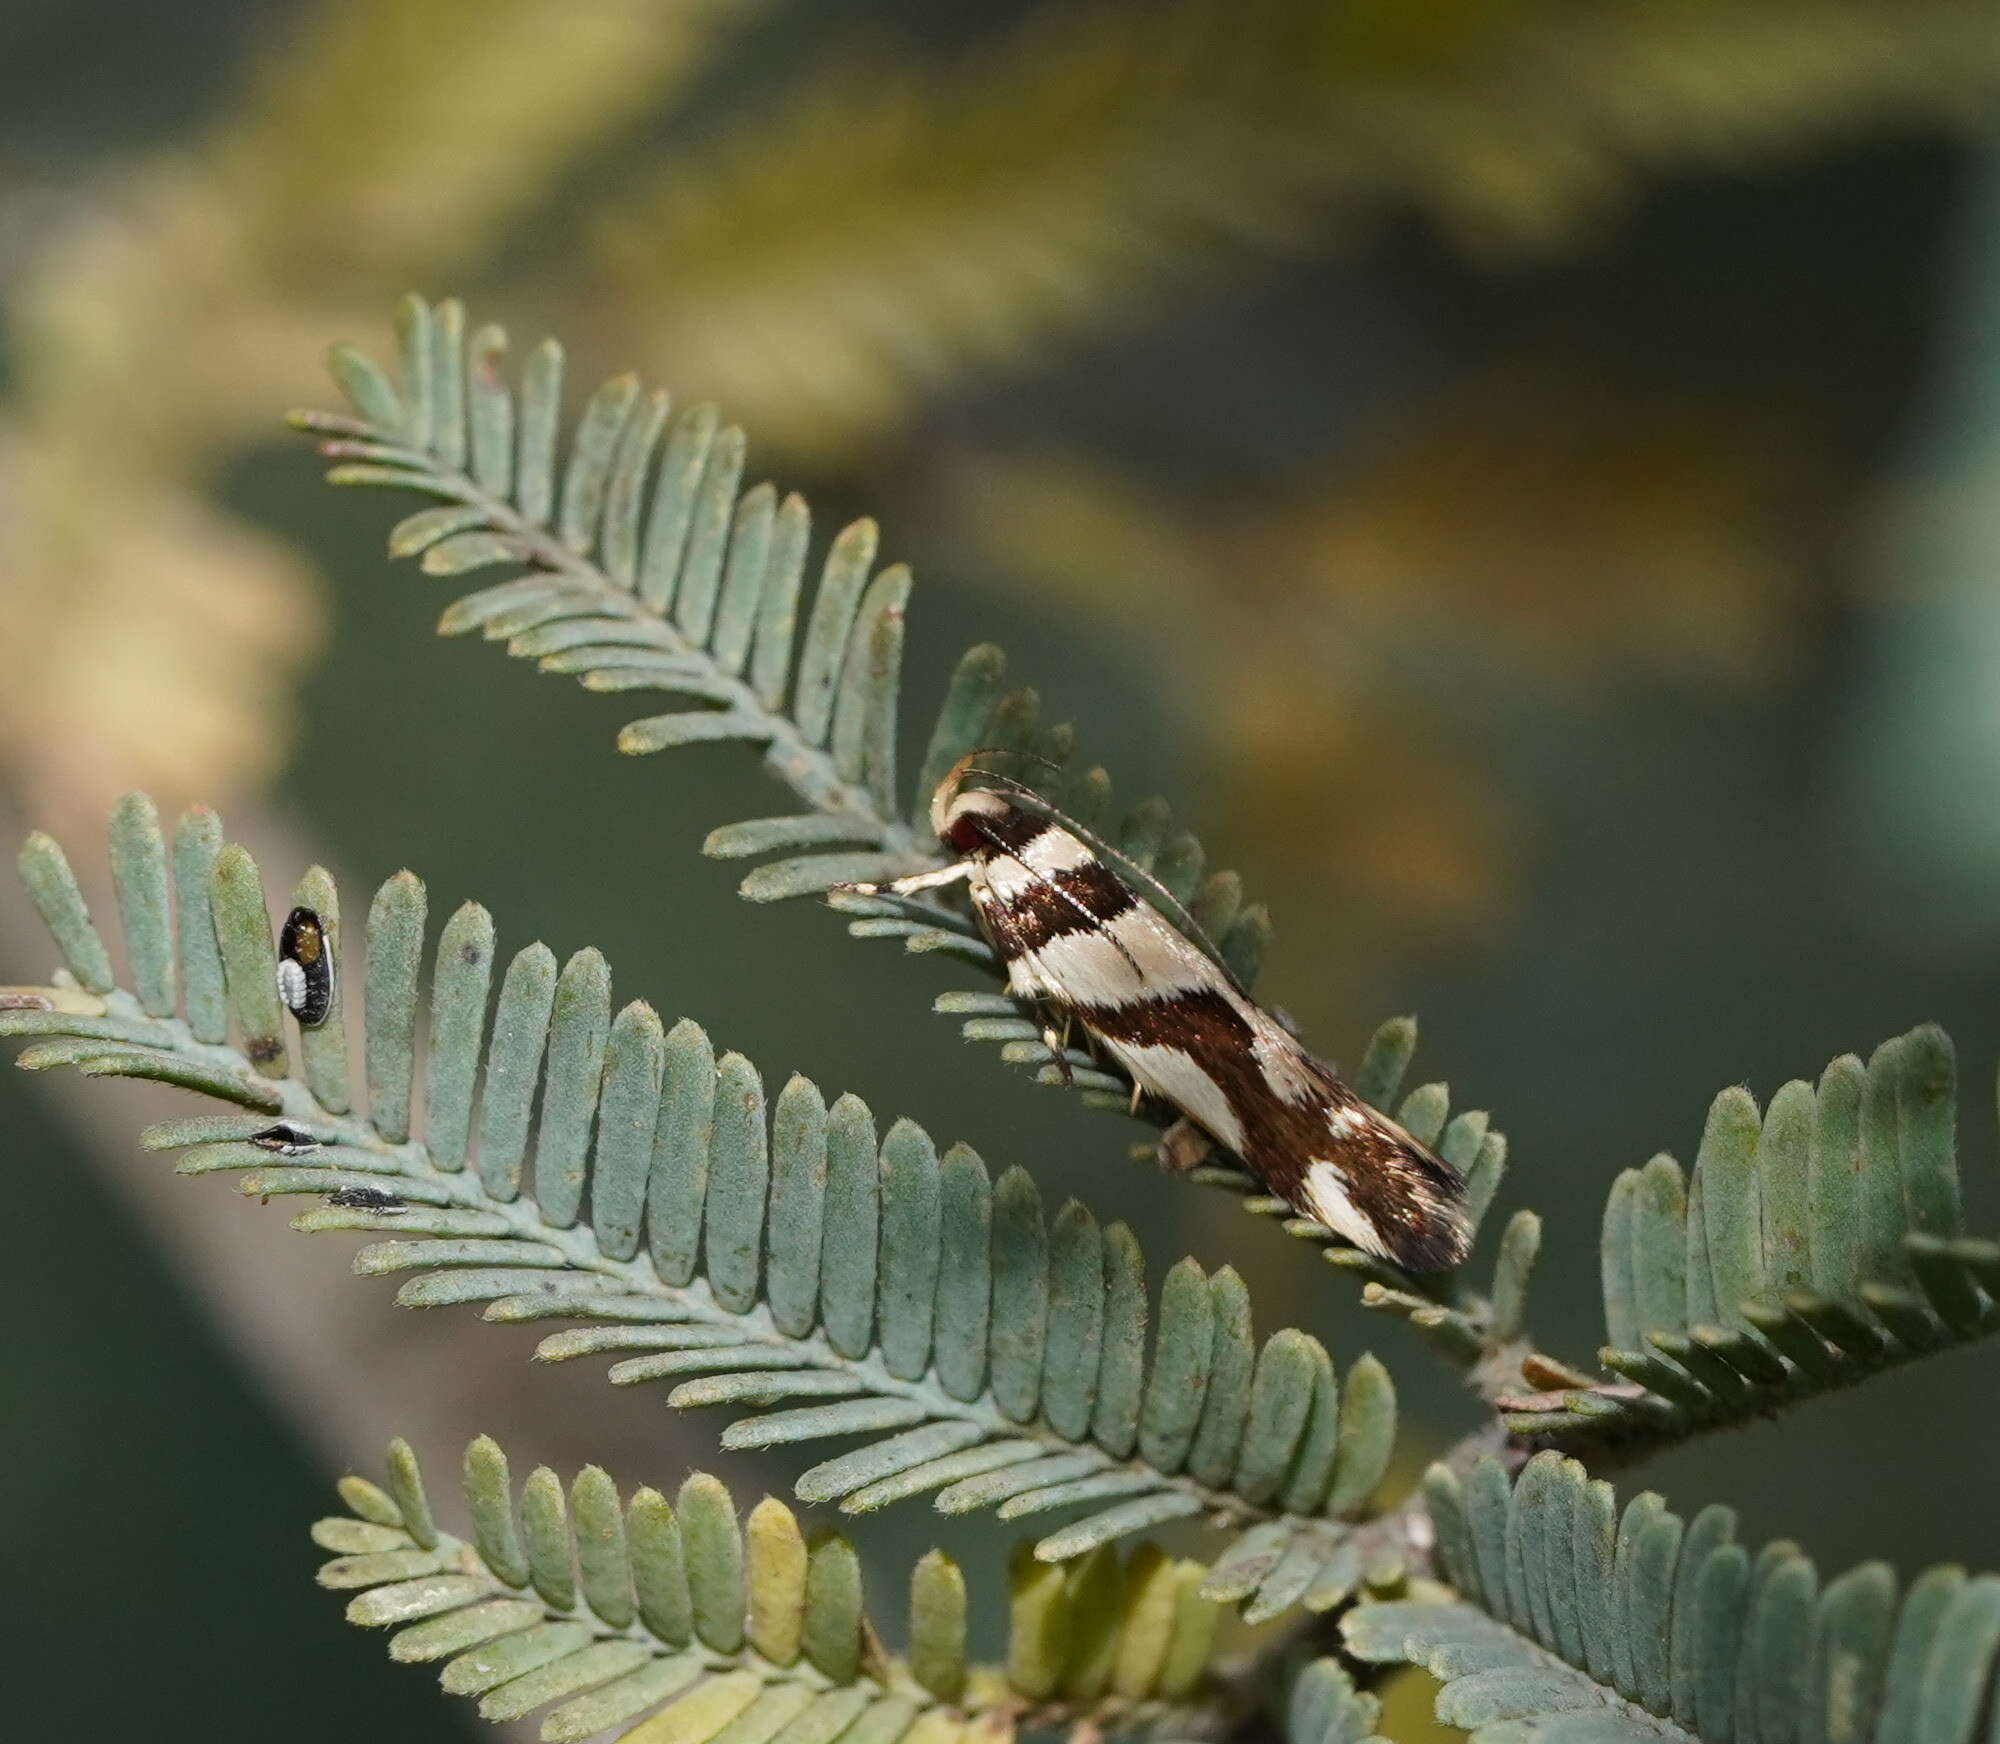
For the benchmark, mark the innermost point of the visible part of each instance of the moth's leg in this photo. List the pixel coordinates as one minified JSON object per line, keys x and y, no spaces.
{"x":1125,"y":1066}
{"x":1183,"y":1146}
{"x":914,"y":882}
{"x":1057,"y":1042}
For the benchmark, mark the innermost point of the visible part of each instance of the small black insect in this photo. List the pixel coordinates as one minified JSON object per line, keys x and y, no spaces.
{"x":286,"y":1139}
{"x":305,"y":968}
{"x":367,"y":1199}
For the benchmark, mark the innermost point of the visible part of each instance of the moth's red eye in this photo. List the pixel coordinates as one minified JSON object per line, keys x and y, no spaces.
{"x":962,"y":835}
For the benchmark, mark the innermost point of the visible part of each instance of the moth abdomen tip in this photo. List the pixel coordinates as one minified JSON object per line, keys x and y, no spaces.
{"x":1389,"y":1196}
{"x":1441,"y":1243}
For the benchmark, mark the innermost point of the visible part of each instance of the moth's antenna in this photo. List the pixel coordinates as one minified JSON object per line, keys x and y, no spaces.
{"x":947,"y":789}
{"x":1013,"y":751}
{"x":1011,"y":783}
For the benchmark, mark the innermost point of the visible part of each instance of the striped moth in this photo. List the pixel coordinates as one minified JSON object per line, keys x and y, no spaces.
{"x":1080,"y":942}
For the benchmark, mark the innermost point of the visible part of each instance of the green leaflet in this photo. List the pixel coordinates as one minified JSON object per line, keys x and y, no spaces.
{"x":249,"y":960}
{"x":1814,"y":1243}
{"x":139,"y":876}
{"x":52,"y":886}
{"x":598,"y":1620}
{"x":1647,"y":1629}
{"x":817,"y":1279}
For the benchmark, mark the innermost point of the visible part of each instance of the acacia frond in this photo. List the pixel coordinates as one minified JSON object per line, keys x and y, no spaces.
{"x":1576,"y":1624}
{"x":653,"y":570}
{"x":1810,"y":1248}
{"x":674,"y":1616}
{"x":751,"y":1257}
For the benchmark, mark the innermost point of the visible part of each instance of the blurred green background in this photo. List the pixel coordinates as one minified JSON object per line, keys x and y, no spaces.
{"x":1523,"y":476}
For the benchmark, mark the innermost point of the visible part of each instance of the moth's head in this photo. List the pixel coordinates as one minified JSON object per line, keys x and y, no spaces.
{"x":955,"y":807}
{"x":964,"y":817}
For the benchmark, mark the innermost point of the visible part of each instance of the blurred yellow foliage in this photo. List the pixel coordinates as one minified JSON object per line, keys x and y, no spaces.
{"x":886,"y":229}
{"x":1580,"y":529}
{"x":158,"y":639}
{"x":392,"y":139}
{"x":160,"y":636}
{"x":179,"y":307}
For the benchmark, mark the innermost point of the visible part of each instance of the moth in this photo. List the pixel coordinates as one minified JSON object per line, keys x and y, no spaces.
{"x":1078,"y":940}
{"x":305,"y":968}
{"x":367,"y":1199}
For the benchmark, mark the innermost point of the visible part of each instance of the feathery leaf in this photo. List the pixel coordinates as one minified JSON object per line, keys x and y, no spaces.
{"x":1646,"y":1629}
{"x":602,"y":1618}
{"x":1815,"y":1244}
{"x":778,"y":1260}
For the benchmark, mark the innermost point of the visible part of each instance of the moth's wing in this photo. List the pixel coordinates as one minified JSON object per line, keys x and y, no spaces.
{"x":1395,"y":1197}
